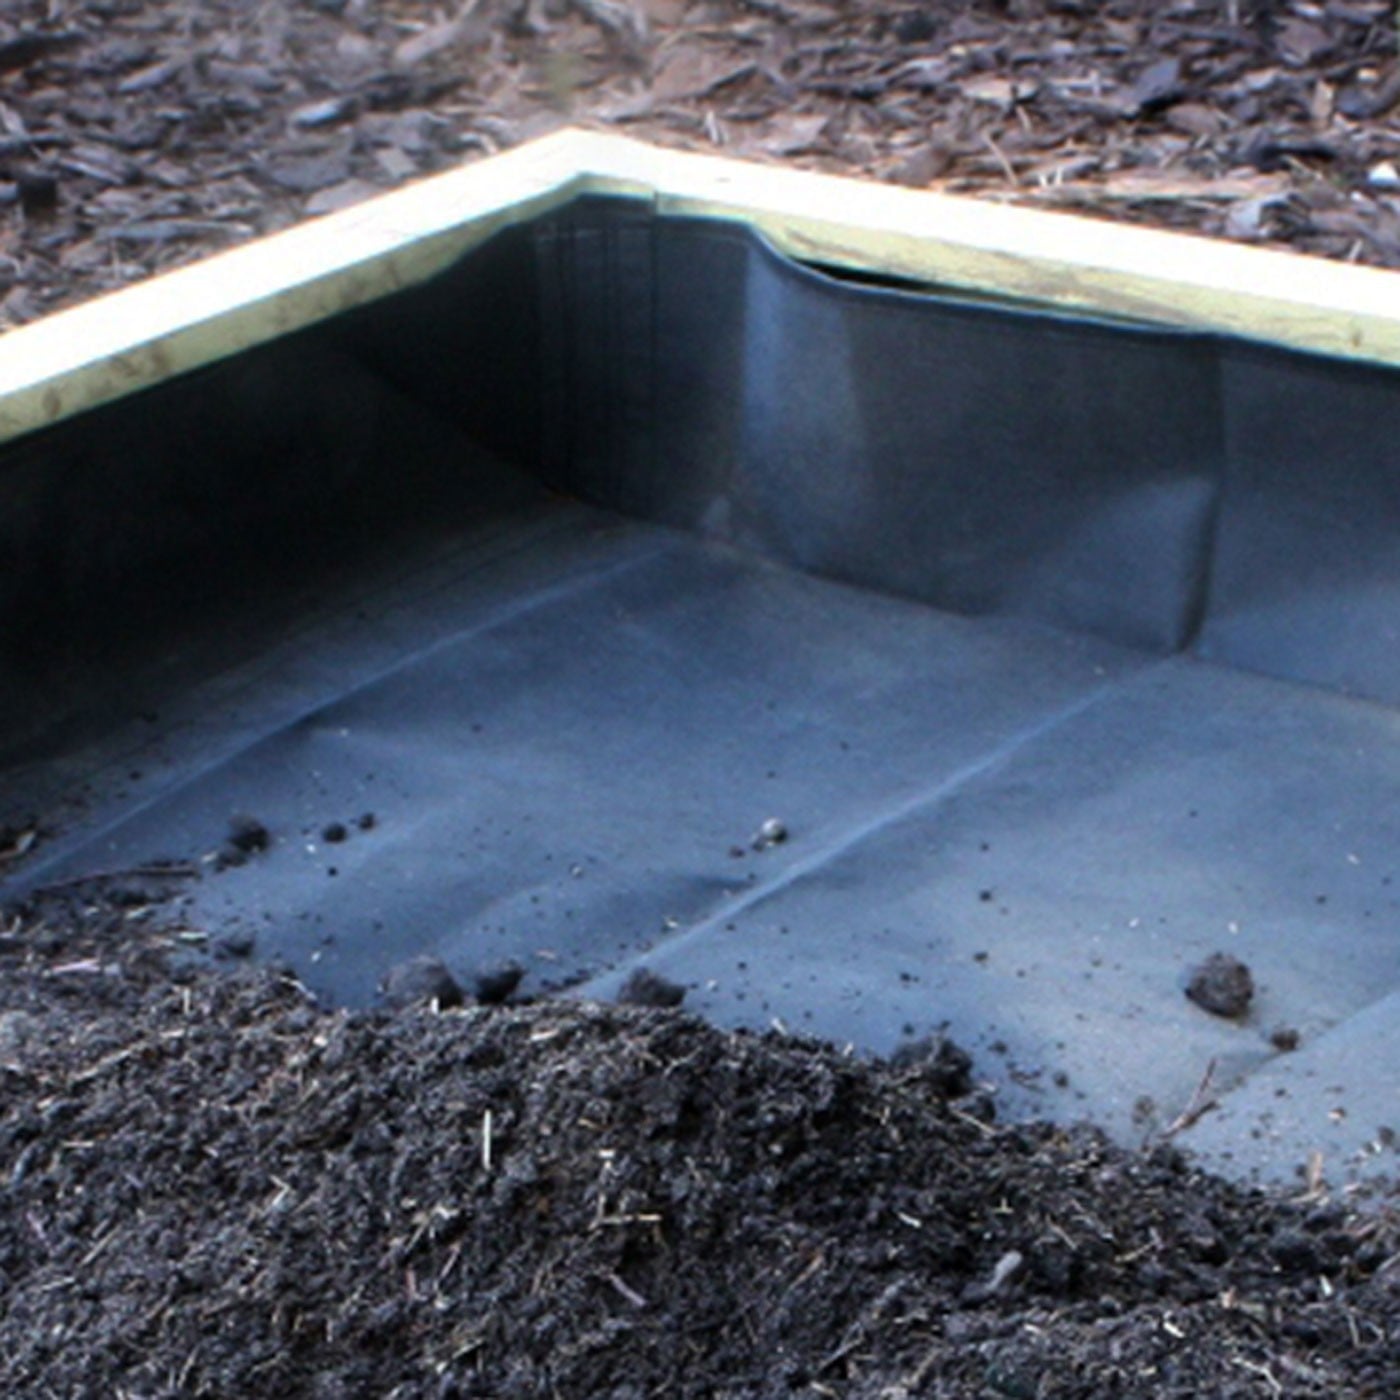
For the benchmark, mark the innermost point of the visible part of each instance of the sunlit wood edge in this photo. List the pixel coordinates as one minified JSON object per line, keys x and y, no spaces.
{"x":127,"y":340}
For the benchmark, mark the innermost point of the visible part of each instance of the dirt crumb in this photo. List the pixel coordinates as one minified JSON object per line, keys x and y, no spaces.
{"x":644,"y":987}
{"x":246,"y":837}
{"x":1222,"y":985}
{"x":419,"y":981}
{"x":495,"y":985}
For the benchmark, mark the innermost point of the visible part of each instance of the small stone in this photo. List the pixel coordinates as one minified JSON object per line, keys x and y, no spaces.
{"x":772,"y":833}
{"x":420,"y":979}
{"x":495,"y":985}
{"x":1284,"y":1038}
{"x":334,"y":832}
{"x":1221,"y":985}
{"x":646,"y":988}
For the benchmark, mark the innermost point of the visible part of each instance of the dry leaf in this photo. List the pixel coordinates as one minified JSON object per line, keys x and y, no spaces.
{"x":1167,"y":185}
{"x":435,"y":39}
{"x":1195,"y":119}
{"x":340,"y":196}
{"x":794,"y":134}
{"x":994,"y":91}
{"x":920,"y":168}
{"x":690,"y":71}
{"x":697,"y":72}
{"x":151,"y":77}
{"x":1156,"y":86}
{"x":1301,"y":42}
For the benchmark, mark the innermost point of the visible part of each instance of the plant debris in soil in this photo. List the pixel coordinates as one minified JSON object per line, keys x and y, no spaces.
{"x":214,"y":1186}
{"x":139,"y":134}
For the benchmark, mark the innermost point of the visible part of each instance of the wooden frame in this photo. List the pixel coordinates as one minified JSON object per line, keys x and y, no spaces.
{"x":111,"y":346}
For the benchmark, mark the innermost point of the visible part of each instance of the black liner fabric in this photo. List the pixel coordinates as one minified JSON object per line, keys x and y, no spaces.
{"x":1066,"y":652}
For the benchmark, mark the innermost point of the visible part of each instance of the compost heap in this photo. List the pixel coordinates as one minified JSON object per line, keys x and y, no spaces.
{"x":214,"y":1186}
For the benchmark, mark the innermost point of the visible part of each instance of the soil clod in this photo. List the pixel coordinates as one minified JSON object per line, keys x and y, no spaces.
{"x":247,"y":836}
{"x":1222,"y":985}
{"x":644,"y":987}
{"x":235,"y":944}
{"x":946,"y":1064}
{"x":496,"y":985}
{"x":422,"y":980}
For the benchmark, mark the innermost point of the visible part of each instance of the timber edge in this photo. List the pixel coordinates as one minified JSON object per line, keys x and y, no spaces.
{"x":127,"y":340}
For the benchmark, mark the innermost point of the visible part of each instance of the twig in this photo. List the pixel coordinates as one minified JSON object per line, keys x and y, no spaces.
{"x":1270,"y":1379}
{"x":132,"y":872}
{"x":630,"y":1294}
{"x":1202,"y":1101}
{"x":1007,"y":168}
{"x":984,"y":1128}
{"x":107,"y":1062}
{"x":1315,"y":1181}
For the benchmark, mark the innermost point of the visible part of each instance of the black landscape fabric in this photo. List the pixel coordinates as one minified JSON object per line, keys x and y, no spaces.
{"x":867,"y":662}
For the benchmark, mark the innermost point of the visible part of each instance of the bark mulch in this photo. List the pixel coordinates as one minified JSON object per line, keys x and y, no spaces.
{"x":139,"y":134}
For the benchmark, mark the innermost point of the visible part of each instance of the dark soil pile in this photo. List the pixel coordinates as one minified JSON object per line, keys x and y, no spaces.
{"x":138,"y":134}
{"x":214,"y":1187}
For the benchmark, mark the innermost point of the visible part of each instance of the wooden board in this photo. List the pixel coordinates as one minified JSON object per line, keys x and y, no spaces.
{"x":127,"y":340}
